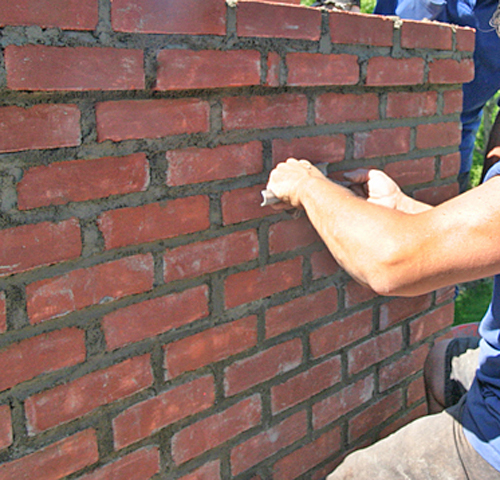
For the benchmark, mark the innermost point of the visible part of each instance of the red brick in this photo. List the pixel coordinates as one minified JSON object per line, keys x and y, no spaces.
{"x":136,"y":119}
{"x":263,"y":366}
{"x":39,"y":127}
{"x":256,"y":19}
{"x":305,"y":385}
{"x":383,"y":71}
{"x":302,"y":310}
{"x":45,"y":353}
{"x":340,"y":333}
{"x":326,"y":469}
{"x":452,"y":101}
{"x":266,"y":444}
{"x":435,"y":135}
{"x":244,"y":287}
{"x":196,"y":165}
{"x":31,"y":246}
{"x":156,"y":221}
{"x":209,"y":256}
{"x":426,"y":35}
{"x":433,"y":322}
{"x":465,"y":38}
{"x":374,"y":416}
{"x":398,"y":309}
{"x":403,"y":368}
{"x":3,"y":313}
{"x":64,"y":14}
{"x":323,"y":264}
{"x":324,"y":148}
{"x":153,"y":317}
{"x":291,"y":234}
{"x":310,"y":69}
{"x":209,"y":471}
{"x":436,"y":195}
{"x":243,"y":204}
{"x":447,"y":70}
{"x":139,"y":465}
{"x":215,"y":430}
{"x":355,"y":28}
{"x":346,"y":107}
{"x":32,"y":67}
{"x":395,"y":425}
{"x":348,"y":399}
{"x":81,"y":180}
{"x":416,"y":391}
{"x":56,"y":460}
{"x":300,"y":461}
{"x":189,"y":69}
{"x":356,"y":294}
{"x":286,"y":110}
{"x":445,"y":294}
{"x":374,"y":350}
{"x":210,"y":346}
{"x":143,"y":419}
{"x":381,"y":142}
{"x":74,"y":399}
{"x":411,"y":104}
{"x":190,"y":17}
{"x":90,"y":286}
{"x":5,"y":427}
{"x":412,"y":172}
{"x":273,"y":70}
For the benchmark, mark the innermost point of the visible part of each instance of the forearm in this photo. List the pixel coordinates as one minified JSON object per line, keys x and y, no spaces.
{"x":394,"y":244}
{"x":374,"y":244}
{"x":412,"y":206}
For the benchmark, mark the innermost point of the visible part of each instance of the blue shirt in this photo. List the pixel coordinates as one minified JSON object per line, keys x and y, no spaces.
{"x":481,"y":418}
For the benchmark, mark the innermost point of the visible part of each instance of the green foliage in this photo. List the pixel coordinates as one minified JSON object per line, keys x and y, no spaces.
{"x":490,"y":112}
{"x":367,"y":6}
{"x":473,"y":301}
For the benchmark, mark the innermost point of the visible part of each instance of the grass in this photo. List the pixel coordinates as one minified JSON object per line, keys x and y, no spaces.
{"x":473,"y":301}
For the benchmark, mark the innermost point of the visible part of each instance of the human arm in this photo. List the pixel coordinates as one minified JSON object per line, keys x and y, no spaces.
{"x":393,"y":251}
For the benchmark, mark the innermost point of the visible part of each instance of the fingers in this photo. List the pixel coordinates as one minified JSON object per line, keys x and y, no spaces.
{"x":288,"y":177}
{"x":306,"y":164}
{"x":360,"y":175}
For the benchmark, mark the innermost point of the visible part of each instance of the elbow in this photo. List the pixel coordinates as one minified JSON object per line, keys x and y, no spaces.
{"x":387,"y":285}
{"x":392,"y":273}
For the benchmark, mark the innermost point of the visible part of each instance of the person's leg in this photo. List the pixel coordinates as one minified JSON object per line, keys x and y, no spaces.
{"x":449,"y":370}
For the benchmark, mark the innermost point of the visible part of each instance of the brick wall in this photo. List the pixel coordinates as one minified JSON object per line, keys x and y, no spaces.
{"x":155,"y":321}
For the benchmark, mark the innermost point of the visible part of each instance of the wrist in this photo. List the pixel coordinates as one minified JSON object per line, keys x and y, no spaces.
{"x":307,"y":189}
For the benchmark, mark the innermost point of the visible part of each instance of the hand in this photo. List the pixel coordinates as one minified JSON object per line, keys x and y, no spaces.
{"x":376,"y":187}
{"x":287,"y":178}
